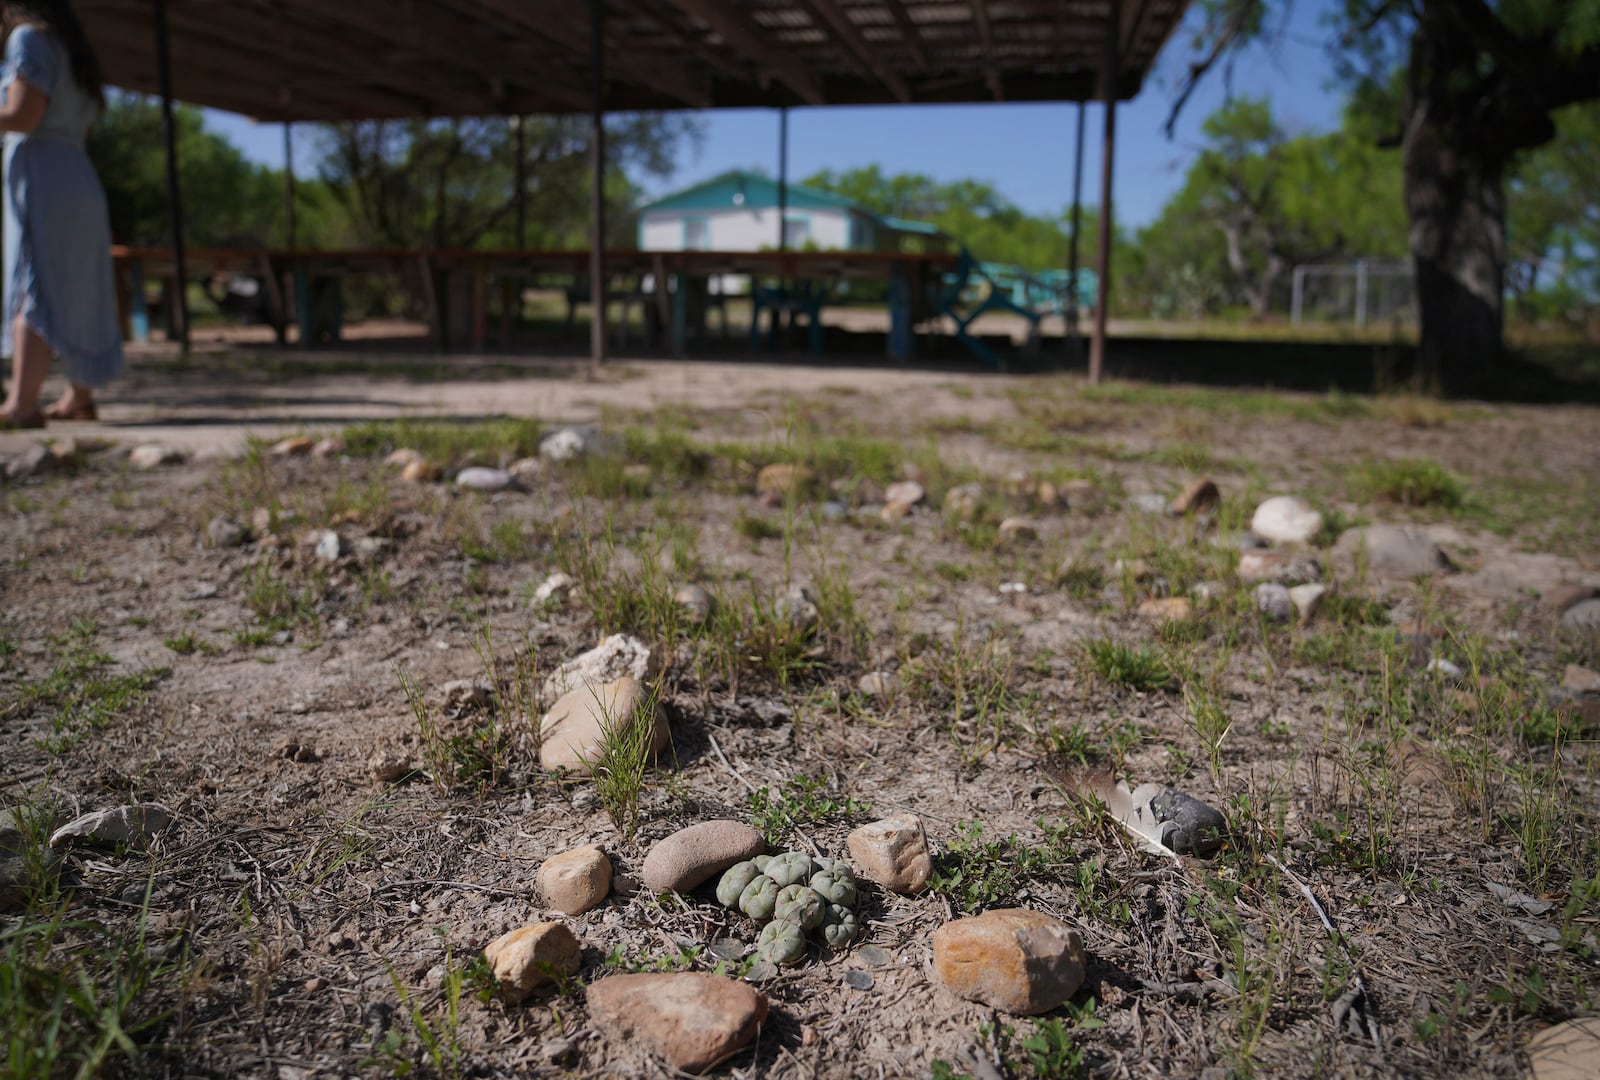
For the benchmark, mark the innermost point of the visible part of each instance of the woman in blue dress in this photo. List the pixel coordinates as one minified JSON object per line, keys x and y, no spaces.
{"x":59,"y":295}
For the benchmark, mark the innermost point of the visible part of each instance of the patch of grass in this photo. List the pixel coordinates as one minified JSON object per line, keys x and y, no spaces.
{"x":619,"y":771}
{"x":1138,"y":668}
{"x":275,"y":600}
{"x":1081,"y":579}
{"x":756,"y":527}
{"x":975,"y":874}
{"x":801,"y":802}
{"x":78,"y":696}
{"x":1410,"y":482}
{"x":487,"y":441}
{"x":188,"y":643}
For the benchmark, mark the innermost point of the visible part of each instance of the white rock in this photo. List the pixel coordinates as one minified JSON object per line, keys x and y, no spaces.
{"x":563,"y":445}
{"x":153,"y":455}
{"x":879,"y":684}
{"x":1440,"y":666}
{"x":616,"y":656}
{"x":695,"y":602}
{"x":1306,"y":599}
{"x":480,"y":479}
{"x":329,"y":546}
{"x":127,"y":826}
{"x":574,"y":733}
{"x":555,"y":587}
{"x":1286,"y":519}
{"x":905,"y":491}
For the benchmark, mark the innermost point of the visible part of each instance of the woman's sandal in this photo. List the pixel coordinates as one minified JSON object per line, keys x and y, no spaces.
{"x":86,"y":412}
{"x":26,"y":424}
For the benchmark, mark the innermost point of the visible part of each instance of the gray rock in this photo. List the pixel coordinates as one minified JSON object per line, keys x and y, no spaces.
{"x":1149,"y":502}
{"x":1583,"y":616}
{"x":798,"y":608}
{"x":126,"y":826}
{"x":329,"y":546}
{"x":1279,"y":566}
{"x":480,"y":479}
{"x":224,"y":532}
{"x":34,"y":460}
{"x":1394,"y":550}
{"x":1186,"y":823}
{"x":18,"y":865}
{"x":460,"y":695}
{"x":695,"y":602}
{"x":1273,"y":601}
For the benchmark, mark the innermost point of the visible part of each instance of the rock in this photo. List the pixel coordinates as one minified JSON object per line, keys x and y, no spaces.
{"x":1566,"y":595}
{"x":1017,"y":530}
{"x":893,"y":852}
{"x":531,"y":956}
{"x":798,"y":608}
{"x":1130,"y":569}
{"x":615,"y":657}
{"x":1584,"y":616}
{"x":1149,"y":502}
{"x":126,"y":826}
{"x":964,"y":502}
{"x":553,"y":588}
{"x":782,"y":478}
{"x":572,"y":735}
{"x":34,"y":460}
{"x":399,"y":459}
{"x":879,"y":684}
{"x":526,"y":470}
{"x":1286,"y":519}
{"x":1580,"y":680}
{"x":1184,"y":823}
{"x":694,"y":602}
{"x":329,"y":546}
{"x":224,"y":532}
{"x":1566,"y":1051}
{"x":1420,"y":765}
{"x":1019,"y":961}
{"x":895,"y":511}
{"x":1273,"y":601}
{"x":1279,"y":566}
{"x":1080,"y":495}
{"x":388,"y":766}
{"x":1440,"y":666}
{"x":698,"y":853}
{"x":905,"y":491}
{"x":20,"y":867}
{"x":575,"y":881}
{"x":332,"y":446}
{"x":563,"y":445}
{"x":153,"y":456}
{"x":1198,"y":496}
{"x":692,"y":1019}
{"x":1209,"y":592}
{"x":66,"y":451}
{"x":1167,"y":609}
{"x":1306,"y":600}
{"x":1394,"y":550}
{"x":292,"y":447}
{"x":369,"y":547}
{"x":420,"y":472}
{"x":462,"y":695}
{"x":481,"y":479}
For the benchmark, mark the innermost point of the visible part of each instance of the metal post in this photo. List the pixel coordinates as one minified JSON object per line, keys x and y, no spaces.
{"x":597,"y":184}
{"x":1361,"y":294}
{"x":174,"y":200}
{"x":783,"y":178}
{"x":1108,"y":90}
{"x":522,"y":185}
{"x":1297,"y":305}
{"x":288,"y":186}
{"x":1074,"y":343}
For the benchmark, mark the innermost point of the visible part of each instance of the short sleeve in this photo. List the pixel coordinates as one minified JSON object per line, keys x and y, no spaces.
{"x":31,"y":55}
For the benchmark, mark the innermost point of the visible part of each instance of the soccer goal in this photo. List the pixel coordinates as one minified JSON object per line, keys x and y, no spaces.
{"x":1365,"y":291}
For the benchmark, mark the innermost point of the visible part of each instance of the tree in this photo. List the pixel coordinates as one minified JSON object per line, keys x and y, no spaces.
{"x":1553,"y":232}
{"x":1480,"y":80}
{"x":450,"y":184}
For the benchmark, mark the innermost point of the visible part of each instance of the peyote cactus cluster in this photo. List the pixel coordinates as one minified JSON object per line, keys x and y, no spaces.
{"x":794,"y":894}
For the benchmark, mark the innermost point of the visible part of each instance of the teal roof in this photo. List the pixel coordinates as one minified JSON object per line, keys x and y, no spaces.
{"x":761,"y":192}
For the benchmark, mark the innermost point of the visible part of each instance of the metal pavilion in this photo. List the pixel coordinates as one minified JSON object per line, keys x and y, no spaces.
{"x":334,"y":60}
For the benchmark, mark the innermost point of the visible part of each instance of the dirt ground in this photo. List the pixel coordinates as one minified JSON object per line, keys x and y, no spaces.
{"x":1415,"y":742}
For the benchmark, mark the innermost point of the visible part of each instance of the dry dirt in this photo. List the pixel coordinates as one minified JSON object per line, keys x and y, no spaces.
{"x":314,"y":921}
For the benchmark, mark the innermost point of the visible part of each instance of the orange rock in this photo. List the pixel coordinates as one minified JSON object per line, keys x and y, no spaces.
{"x":1200,"y":495}
{"x":692,"y":1019}
{"x":1012,"y":959}
{"x":527,"y":958}
{"x":1167,"y":609}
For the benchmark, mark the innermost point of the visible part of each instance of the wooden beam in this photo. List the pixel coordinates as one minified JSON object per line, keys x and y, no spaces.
{"x":848,"y":33}
{"x":908,"y":32}
{"x":748,"y":38}
{"x":991,"y":76}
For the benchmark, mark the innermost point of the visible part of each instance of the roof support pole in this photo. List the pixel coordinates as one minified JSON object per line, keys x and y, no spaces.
{"x":1074,"y":342}
{"x":521,"y":200}
{"x":597,"y":185}
{"x":288,"y":186}
{"x":1102,"y":262}
{"x":180,"y":304}
{"x":783,"y":177}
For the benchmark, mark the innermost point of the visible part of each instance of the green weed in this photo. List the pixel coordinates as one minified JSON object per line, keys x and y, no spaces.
{"x":1123,"y":665}
{"x":1410,"y":482}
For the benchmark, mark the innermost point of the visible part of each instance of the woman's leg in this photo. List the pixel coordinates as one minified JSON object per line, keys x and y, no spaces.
{"x":30,"y":359}
{"x":75,"y":403}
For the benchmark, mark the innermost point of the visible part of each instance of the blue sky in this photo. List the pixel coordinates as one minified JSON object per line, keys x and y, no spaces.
{"x":1024,"y":150}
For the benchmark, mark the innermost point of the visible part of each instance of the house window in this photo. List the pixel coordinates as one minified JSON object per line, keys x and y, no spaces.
{"x":796,"y":232}
{"x":696,"y":234}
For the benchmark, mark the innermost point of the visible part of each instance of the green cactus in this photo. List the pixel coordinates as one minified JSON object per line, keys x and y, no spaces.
{"x":790,"y":868}
{"x":800,"y":904}
{"x":822,"y":862}
{"x":734,"y":879}
{"x":841,"y":926}
{"x":837,"y":886}
{"x":782,"y":942}
{"x":761,"y":862}
{"x":757,"y":898}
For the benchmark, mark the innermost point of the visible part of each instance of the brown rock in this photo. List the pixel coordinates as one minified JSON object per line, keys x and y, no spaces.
{"x":387,"y":766}
{"x":1167,"y":609}
{"x":698,"y":853}
{"x":905,"y":491}
{"x":893,"y":852}
{"x":1565,"y":596}
{"x":1013,"y":959}
{"x":1278,"y":566}
{"x":420,"y":472}
{"x":1016,"y":530}
{"x":399,"y":459}
{"x":332,"y":446}
{"x":292,"y":447}
{"x":527,"y":958}
{"x":1198,"y":496}
{"x":1081,"y":495}
{"x":1580,"y":680}
{"x":964,"y":502}
{"x":782,"y":478}
{"x":577,"y":880}
{"x":1420,"y":765}
{"x":692,"y":1019}
{"x":1048,"y":496}
{"x":1567,"y":1051}
{"x":574,"y":732}
{"x":894,"y":511}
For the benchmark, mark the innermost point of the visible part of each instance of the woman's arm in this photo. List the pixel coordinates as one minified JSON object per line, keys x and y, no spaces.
{"x":24,"y":107}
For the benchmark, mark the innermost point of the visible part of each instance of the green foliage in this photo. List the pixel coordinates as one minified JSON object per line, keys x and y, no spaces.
{"x":1410,"y":482}
{"x":442,"y":441}
{"x":78,"y":696}
{"x":975,"y":874}
{"x":801,"y":802}
{"x":1135,"y":668}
